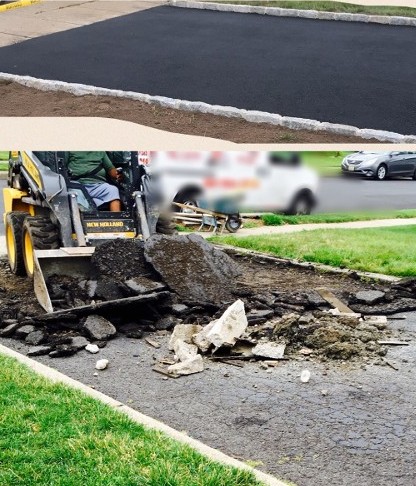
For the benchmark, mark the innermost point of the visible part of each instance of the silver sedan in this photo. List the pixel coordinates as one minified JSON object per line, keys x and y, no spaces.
{"x":380,"y":165}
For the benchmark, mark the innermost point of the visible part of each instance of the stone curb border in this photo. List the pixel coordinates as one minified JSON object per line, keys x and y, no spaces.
{"x":318,"y":266}
{"x":138,"y":417}
{"x":292,"y":12}
{"x":201,"y":107}
{"x":18,"y":4}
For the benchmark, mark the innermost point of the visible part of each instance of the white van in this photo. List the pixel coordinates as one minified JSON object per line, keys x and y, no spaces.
{"x":255,"y":181}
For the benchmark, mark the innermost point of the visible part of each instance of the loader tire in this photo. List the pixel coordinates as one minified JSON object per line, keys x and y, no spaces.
{"x":13,"y":229}
{"x":165,"y":226}
{"x":37,"y":234}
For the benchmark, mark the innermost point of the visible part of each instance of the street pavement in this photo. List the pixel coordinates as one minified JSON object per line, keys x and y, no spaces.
{"x":341,"y":72}
{"x":336,"y":194}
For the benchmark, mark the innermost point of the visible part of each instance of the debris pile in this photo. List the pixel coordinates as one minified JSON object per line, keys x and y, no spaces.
{"x":215,"y":308}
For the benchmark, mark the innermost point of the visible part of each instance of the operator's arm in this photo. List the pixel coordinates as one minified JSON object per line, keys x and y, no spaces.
{"x":110,"y":169}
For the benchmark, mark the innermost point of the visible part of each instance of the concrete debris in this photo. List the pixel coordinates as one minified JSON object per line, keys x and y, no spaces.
{"x":256,"y":315}
{"x":305,"y":376}
{"x":184,"y":332}
{"x":324,"y":392}
{"x":201,"y":340}
{"x":269,"y":350}
{"x":79,"y":342}
{"x":24,"y":331}
{"x":35,"y":337}
{"x":370,"y":296}
{"x":184,"y":351}
{"x":63,"y":350}
{"x":152,"y":343}
{"x":101,"y":364}
{"x":92,"y":348}
{"x":380,"y":322}
{"x":39,"y":350}
{"x":131,"y":330}
{"x":99,"y":328}
{"x":180,"y":309}
{"x":191,"y":267}
{"x":10,"y":329}
{"x":188,"y":367}
{"x":230,"y":326}
{"x":143,"y":285}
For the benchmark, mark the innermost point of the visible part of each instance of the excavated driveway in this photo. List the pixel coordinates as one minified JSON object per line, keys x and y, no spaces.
{"x":362,"y":431}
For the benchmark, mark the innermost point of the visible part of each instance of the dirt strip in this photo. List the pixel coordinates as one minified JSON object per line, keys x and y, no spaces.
{"x":17,"y":100}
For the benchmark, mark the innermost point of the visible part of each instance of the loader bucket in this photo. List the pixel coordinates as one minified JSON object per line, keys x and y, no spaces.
{"x":73,"y":262}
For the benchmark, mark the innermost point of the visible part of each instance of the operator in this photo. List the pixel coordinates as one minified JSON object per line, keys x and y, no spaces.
{"x":91,"y":169}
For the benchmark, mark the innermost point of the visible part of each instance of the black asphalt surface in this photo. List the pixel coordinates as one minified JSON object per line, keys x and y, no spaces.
{"x":341,"y":72}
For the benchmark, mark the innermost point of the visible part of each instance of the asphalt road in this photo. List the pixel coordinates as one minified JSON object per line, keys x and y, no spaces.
{"x":362,"y":431}
{"x":341,"y":72}
{"x":340,"y":194}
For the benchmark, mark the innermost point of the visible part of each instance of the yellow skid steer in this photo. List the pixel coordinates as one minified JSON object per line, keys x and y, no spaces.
{"x":52,"y":224}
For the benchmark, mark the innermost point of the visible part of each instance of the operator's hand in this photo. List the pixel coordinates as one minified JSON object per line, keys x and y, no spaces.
{"x":114,"y":174}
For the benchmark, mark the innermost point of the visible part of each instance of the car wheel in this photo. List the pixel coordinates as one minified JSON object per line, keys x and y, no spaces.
{"x":381,"y":173}
{"x":301,"y":205}
{"x":414,"y":175}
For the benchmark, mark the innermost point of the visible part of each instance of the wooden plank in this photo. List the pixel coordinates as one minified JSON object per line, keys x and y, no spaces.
{"x":333,"y":300}
{"x":107,"y":305}
{"x":164,"y":372}
{"x":152,"y":343}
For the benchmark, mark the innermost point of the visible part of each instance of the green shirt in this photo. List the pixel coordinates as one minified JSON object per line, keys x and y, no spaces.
{"x":83,"y":163}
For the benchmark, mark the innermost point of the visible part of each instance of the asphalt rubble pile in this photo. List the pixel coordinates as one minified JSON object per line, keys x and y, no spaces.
{"x":186,"y":288}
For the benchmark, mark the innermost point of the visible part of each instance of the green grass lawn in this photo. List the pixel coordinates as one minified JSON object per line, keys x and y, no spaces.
{"x":382,"y":250}
{"x":281,"y":219}
{"x":325,"y":163}
{"x":328,"y":6}
{"x":4,"y":160}
{"x":51,"y":435}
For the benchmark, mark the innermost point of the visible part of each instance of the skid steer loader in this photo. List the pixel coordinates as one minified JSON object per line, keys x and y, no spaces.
{"x":52,"y":224}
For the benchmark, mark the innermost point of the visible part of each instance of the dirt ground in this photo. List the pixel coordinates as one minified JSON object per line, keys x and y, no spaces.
{"x":18,"y":100}
{"x":353,"y":422}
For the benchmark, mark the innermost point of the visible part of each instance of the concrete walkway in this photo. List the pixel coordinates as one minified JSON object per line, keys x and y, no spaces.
{"x":50,"y":16}
{"x":295,"y":228}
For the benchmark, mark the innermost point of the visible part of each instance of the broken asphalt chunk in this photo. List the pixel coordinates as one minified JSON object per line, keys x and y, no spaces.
{"x":99,"y":328}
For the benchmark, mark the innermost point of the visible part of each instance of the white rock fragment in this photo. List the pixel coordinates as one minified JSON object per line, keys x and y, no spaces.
{"x":185,"y":351}
{"x":305,"y":376}
{"x":188,"y":367}
{"x":230,"y":326}
{"x":92,"y":348}
{"x":200,"y":339}
{"x":380,"y":322}
{"x":269,"y":350}
{"x":101,"y":364}
{"x":337,"y":312}
{"x":183,"y":332}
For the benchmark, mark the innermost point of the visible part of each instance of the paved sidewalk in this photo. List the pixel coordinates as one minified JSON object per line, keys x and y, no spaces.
{"x":295,"y":228}
{"x":52,"y":16}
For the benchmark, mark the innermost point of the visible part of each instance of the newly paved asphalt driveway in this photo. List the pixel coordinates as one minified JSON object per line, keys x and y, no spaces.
{"x":341,"y":72}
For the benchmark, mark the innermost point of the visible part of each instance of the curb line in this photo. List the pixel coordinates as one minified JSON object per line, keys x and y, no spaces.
{"x":19,"y":4}
{"x":317,"y":266}
{"x":138,"y":417}
{"x":252,"y":116}
{"x":300,"y":13}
